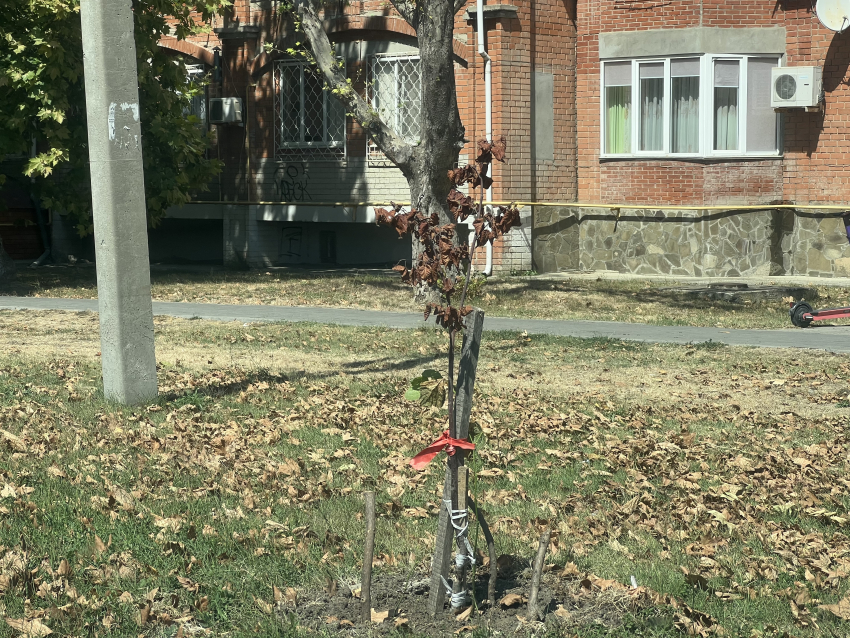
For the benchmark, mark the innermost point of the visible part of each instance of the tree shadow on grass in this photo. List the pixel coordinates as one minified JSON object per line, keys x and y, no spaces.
{"x":666,"y":295}
{"x":372,"y":366}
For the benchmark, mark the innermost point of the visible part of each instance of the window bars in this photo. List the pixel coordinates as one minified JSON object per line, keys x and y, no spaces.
{"x":310,"y":122}
{"x":198,"y":107}
{"x":395,"y":91}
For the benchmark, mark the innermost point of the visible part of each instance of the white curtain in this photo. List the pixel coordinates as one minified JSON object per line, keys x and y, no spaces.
{"x":726,"y":105}
{"x":685,"y":129}
{"x":652,"y":106}
{"x":684,"y":86}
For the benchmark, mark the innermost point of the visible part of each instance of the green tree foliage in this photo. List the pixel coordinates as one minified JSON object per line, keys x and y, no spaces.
{"x":42,"y":99}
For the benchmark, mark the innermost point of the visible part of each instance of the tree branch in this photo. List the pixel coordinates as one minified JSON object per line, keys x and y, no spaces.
{"x":460,"y":4}
{"x":408,"y":9}
{"x":394,"y":147}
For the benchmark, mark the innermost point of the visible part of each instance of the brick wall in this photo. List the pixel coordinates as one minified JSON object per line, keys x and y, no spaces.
{"x":669,"y":183}
{"x":816,"y":159}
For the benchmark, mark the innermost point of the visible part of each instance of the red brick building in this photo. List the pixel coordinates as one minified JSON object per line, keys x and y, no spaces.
{"x":296,"y":153}
{"x":674,"y":109}
{"x":604,"y":103}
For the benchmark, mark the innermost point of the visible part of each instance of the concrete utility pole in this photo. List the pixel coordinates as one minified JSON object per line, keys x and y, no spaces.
{"x":118,"y":198}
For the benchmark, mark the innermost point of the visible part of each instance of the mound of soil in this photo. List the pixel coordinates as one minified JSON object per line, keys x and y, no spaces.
{"x":400,"y":604}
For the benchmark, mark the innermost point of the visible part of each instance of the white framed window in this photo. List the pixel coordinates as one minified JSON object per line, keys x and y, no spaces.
{"x":309,"y":120}
{"x":395,"y":92}
{"x":694,"y":106}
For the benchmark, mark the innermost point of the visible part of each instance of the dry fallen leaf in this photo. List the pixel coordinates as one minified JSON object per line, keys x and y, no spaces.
{"x":29,"y":628}
{"x":99,"y":545}
{"x":465,"y":628}
{"x":560,"y":612}
{"x":400,"y":622}
{"x":265,"y":607}
{"x":840,"y":609}
{"x":512,"y":599}
{"x":379,"y":616}
{"x":64,"y":568}
{"x":464,"y":615}
{"x":15,"y":441}
{"x":144,"y":615}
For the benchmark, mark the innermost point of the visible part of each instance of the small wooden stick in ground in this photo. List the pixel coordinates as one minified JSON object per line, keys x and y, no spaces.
{"x":368,"y":553}
{"x":491,"y":550}
{"x":536,"y":573}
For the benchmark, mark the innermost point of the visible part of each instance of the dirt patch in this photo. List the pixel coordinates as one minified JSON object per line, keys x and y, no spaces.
{"x":400,"y":604}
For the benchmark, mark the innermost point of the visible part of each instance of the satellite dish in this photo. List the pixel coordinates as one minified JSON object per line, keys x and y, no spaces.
{"x":834,"y":14}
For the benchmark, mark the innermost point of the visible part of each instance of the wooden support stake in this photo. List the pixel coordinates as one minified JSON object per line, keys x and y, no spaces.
{"x":463,"y":407}
{"x":536,"y":573}
{"x":368,"y":554}
{"x":467,"y":370}
{"x":442,"y":552}
{"x":491,"y":551}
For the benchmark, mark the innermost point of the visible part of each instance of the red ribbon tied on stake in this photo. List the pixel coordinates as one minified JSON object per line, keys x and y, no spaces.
{"x":445,"y":442}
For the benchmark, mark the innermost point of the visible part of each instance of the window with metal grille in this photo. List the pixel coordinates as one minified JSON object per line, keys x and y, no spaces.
{"x":198,"y":108}
{"x":396,"y":94}
{"x":310,"y":120}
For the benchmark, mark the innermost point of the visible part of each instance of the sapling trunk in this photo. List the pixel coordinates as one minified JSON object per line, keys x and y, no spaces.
{"x":458,"y":503}
{"x":491,"y":551}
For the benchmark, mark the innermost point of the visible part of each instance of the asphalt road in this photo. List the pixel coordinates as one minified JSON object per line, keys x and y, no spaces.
{"x":829,"y":338}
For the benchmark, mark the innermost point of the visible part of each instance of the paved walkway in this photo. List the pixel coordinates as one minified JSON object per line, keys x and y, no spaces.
{"x":830,"y":338}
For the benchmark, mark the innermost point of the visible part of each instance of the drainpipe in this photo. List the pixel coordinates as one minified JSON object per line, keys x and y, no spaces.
{"x":488,"y":115}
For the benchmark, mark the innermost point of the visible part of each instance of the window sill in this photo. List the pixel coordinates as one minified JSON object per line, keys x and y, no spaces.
{"x":688,"y":158}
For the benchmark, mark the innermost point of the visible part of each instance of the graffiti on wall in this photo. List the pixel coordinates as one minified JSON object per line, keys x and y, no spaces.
{"x":290,"y":244}
{"x":292,"y":183}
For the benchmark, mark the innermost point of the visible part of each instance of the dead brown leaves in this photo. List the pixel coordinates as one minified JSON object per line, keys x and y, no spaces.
{"x":29,"y":628}
{"x":442,"y":257}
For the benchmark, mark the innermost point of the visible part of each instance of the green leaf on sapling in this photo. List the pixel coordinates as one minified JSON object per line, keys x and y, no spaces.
{"x":433,"y":392}
{"x":427,"y":375}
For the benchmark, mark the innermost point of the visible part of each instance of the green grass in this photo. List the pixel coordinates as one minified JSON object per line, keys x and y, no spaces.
{"x":247,"y":473}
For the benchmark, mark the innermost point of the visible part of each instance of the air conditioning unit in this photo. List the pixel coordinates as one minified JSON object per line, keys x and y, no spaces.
{"x":225,"y":110}
{"x":796,"y":86}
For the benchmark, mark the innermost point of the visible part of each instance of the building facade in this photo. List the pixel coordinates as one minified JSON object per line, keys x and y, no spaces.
{"x":674,"y":109}
{"x":298,"y":169}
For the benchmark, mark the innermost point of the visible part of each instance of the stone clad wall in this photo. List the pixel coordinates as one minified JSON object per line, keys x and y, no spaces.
{"x":694,"y":243}
{"x":816,"y":246}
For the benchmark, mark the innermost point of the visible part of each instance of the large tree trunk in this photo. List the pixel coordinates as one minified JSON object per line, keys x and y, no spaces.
{"x":7,"y":266}
{"x":441,"y":129}
{"x":425,"y":165}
